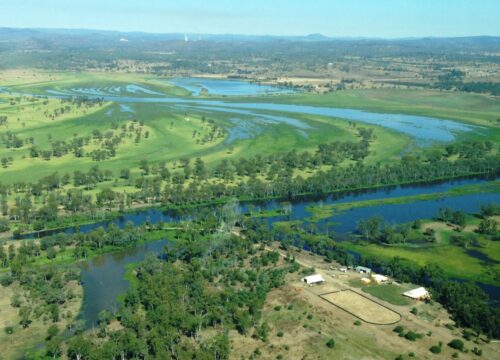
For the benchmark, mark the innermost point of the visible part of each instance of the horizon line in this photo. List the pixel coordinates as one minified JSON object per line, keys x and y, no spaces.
{"x":326,"y":37}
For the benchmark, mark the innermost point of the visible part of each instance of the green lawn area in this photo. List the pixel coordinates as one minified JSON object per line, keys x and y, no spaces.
{"x":452,"y":259}
{"x":387,"y":292}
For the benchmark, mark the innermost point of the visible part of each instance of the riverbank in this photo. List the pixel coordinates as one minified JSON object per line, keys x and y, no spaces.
{"x":71,"y":223}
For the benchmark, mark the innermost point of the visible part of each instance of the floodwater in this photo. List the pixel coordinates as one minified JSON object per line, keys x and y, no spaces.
{"x":103,"y":278}
{"x":227,"y":87}
{"x":343,"y":222}
{"x":103,"y":275}
{"x":423,"y":130}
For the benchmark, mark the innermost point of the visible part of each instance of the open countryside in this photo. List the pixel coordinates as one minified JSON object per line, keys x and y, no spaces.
{"x":230,"y":194}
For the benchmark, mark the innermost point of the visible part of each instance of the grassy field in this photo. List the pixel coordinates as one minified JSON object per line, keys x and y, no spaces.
{"x":453,"y":259}
{"x":171,"y":129}
{"x":470,"y":108}
{"x":170,"y":137}
{"x":387,"y":292}
{"x":174,"y":133}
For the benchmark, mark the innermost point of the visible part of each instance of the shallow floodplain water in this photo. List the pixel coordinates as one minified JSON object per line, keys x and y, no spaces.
{"x":423,"y":129}
{"x":226,"y":87}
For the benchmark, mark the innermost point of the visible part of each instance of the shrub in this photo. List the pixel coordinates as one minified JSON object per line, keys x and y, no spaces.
{"x":414,"y":311}
{"x":435,"y":349}
{"x":330,"y":343}
{"x":398,"y":329}
{"x":456,"y":344}
{"x":450,"y":326}
{"x":477,"y":351}
{"x":6,"y":280}
{"x":52,"y":331}
{"x":9,"y":330}
{"x":468,"y":334}
{"x":309,"y":317}
{"x":411,"y":335}
{"x":280,"y":333}
{"x":411,"y":354}
{"x":357,"y":323}
{"x":277,"y":308}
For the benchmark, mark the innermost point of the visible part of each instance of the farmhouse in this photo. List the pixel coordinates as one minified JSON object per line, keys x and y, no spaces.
{"x":313,"y":279}
{"x":362,"y":269}
{"x":418,"y":294}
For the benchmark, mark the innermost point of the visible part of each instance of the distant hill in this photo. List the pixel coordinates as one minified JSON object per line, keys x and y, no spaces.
{"x":81,"y":49}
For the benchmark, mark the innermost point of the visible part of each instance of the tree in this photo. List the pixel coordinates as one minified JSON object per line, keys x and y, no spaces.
{"x":24,"y":314}
{"x":199,"y":169}
{"x":4,"y":205}
{"x":459,"y":219}
{"x":53,"y":348}
{"x":330,"y":343}
{"x":370,"y":228}
{"x":125,"y":173}
{"x":52,"y":331}
{"x":4,"y":225}
{"x":487,"y":226}
{"x":456,"y":344}
{"x":79,"y":348}
{"x":262,"y":332}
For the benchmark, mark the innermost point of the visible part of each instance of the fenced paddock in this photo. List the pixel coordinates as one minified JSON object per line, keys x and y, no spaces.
{"x":362,"y":307}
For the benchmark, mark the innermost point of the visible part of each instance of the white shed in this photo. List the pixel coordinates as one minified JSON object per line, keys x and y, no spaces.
{"x":418,"y":294}
{"x":379,"y":278}
{"x":313,"y":279}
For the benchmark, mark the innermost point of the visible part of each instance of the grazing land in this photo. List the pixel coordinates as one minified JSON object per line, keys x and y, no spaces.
{"x":209,"y":175}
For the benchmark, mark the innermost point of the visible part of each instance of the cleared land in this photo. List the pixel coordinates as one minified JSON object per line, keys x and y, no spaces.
{"x":362,"y":307}
{"x":305,"y":322}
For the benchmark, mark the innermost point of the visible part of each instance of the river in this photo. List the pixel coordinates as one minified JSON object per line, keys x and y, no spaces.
{"x":103,"y":276}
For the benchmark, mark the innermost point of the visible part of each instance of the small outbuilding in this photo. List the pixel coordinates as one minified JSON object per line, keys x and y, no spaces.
{"x":379,"y":279}
{"x":362,"y":269}
{"x":313,"y":279}
{"x":366,"y":280}
{"x":418,"y":294}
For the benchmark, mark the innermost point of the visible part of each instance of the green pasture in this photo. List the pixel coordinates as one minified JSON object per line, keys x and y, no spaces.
{"x":452,"y":259}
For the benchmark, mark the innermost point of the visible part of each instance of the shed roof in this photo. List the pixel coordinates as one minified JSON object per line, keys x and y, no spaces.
{"x":312,"y":279}
{"x":378,"y":277}
{"x":417,"y":293}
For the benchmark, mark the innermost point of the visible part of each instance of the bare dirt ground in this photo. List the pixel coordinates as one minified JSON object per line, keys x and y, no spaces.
{"x":362,"y":307}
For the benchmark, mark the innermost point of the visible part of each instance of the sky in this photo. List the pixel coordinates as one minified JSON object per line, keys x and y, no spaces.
{"x":336,"y":18}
